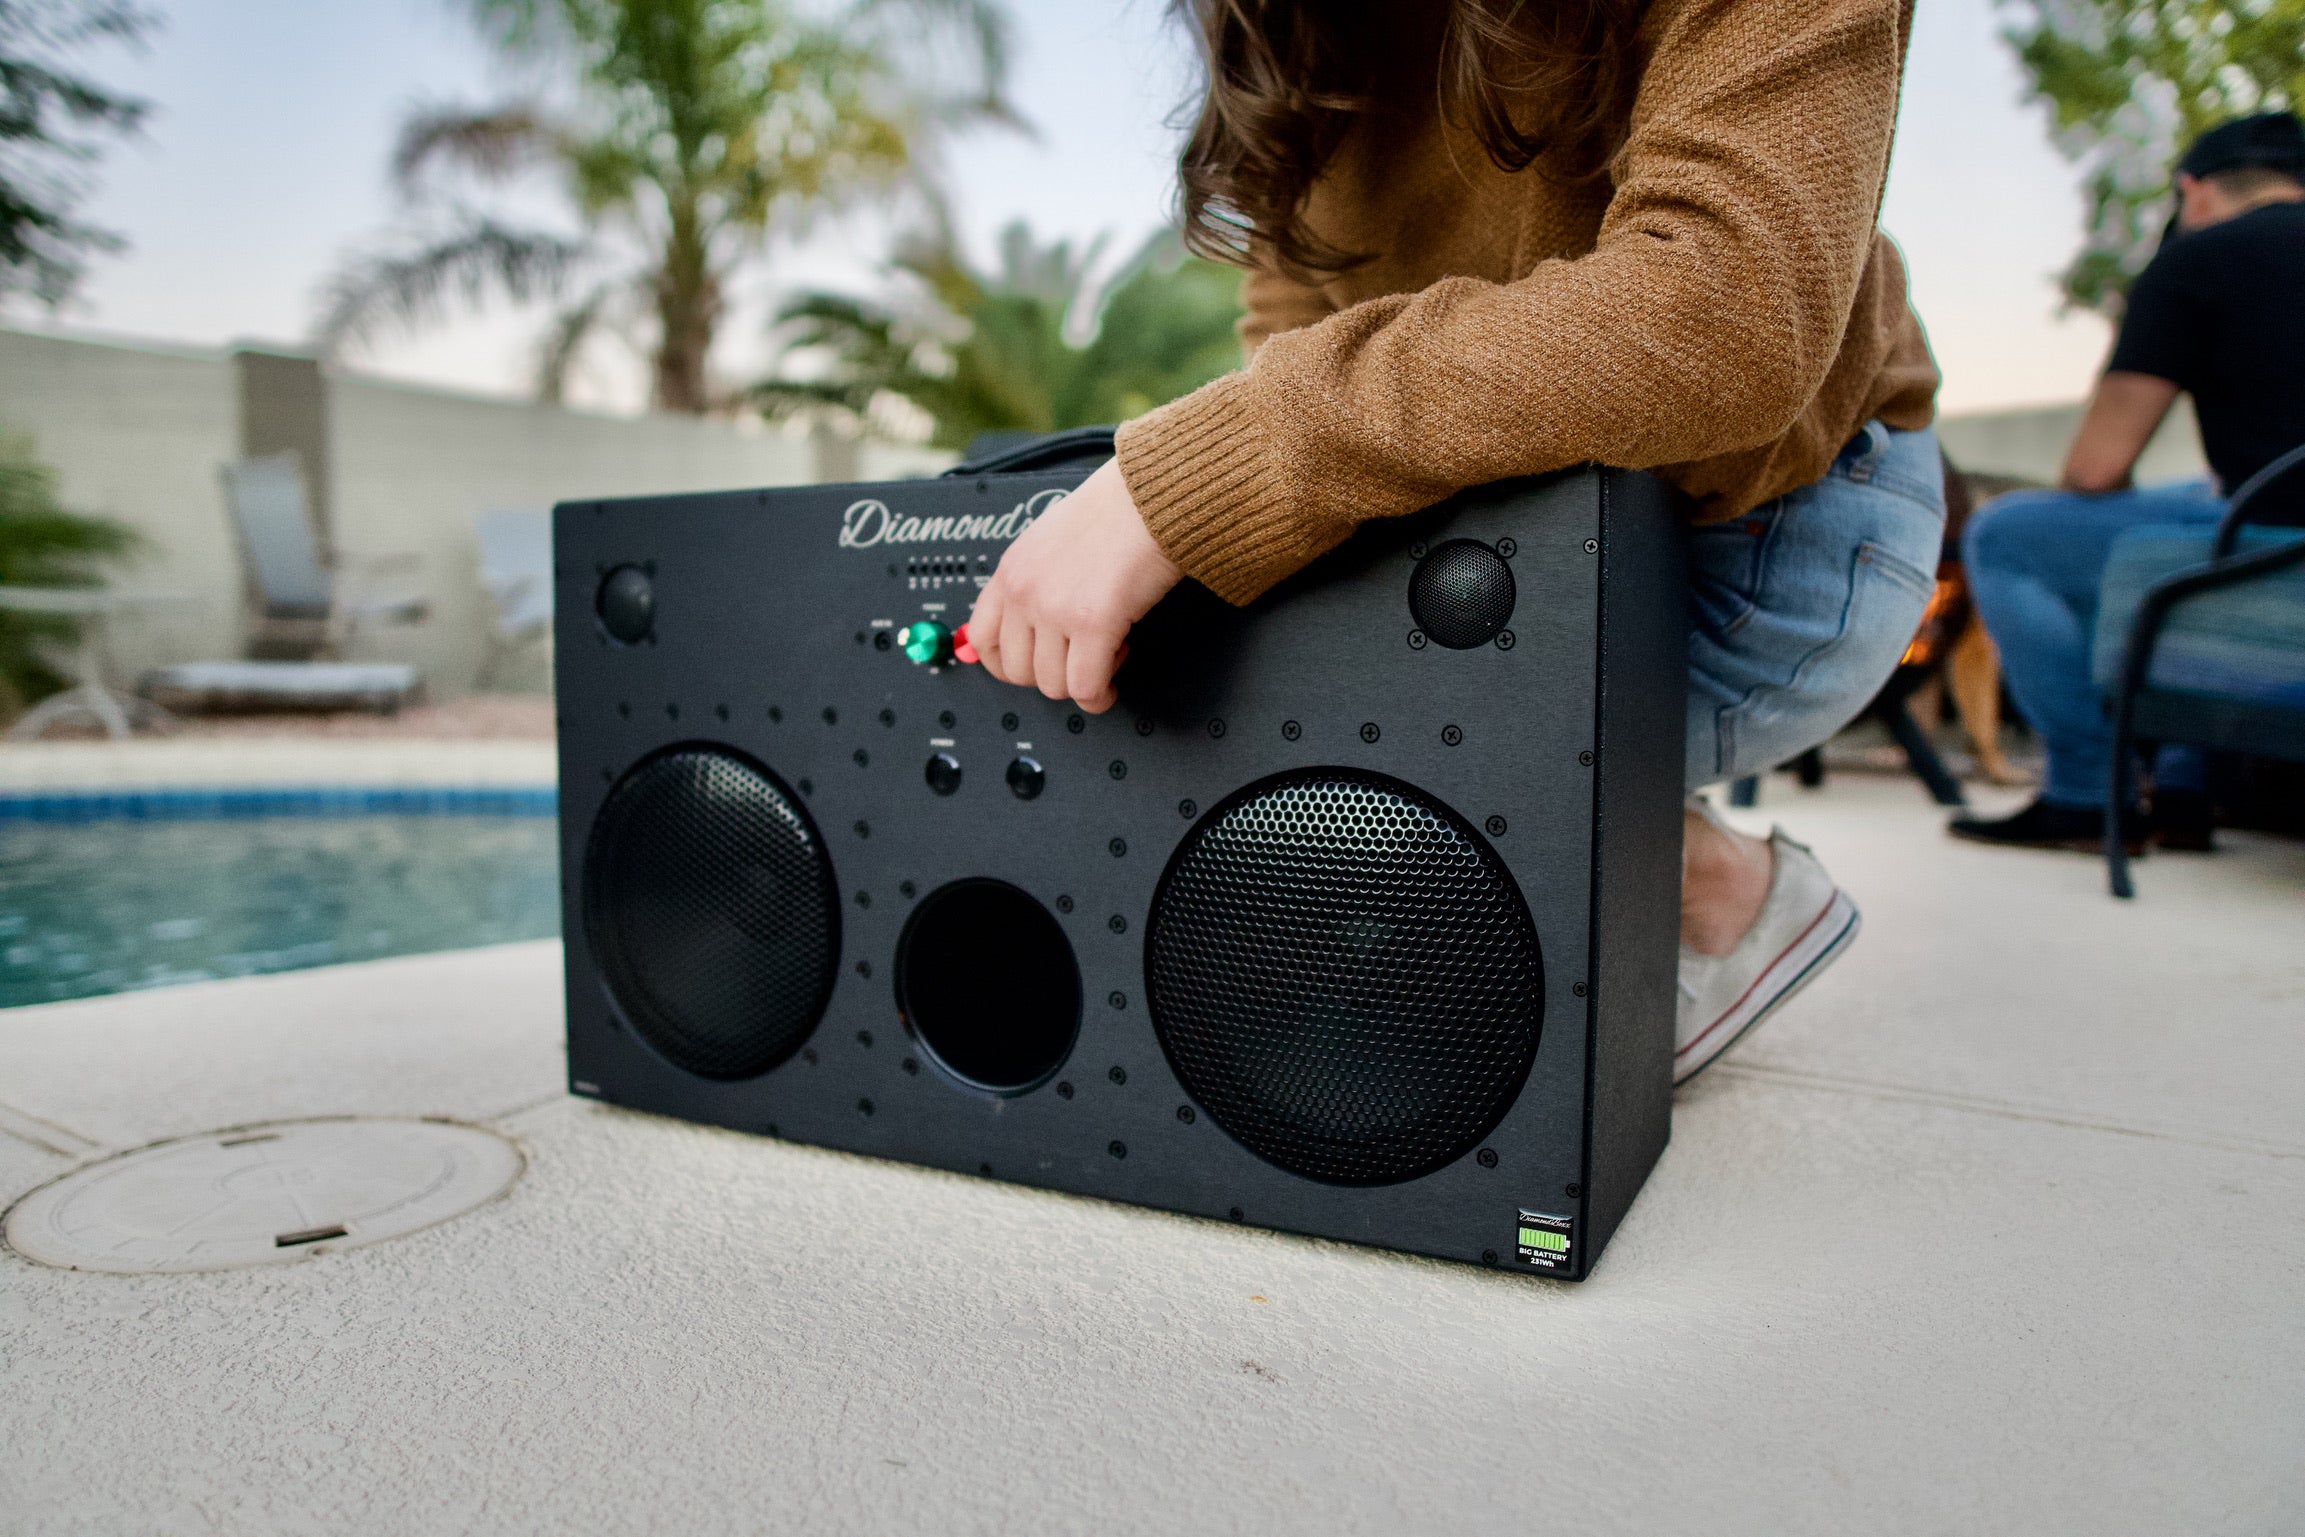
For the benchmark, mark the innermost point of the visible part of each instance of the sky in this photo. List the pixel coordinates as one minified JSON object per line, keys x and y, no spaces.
{"x":263,"y":168}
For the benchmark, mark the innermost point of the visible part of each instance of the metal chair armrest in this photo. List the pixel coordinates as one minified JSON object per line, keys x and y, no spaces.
{"x":2237,"y":511}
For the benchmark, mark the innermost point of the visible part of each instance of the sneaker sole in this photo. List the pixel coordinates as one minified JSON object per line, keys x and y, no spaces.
{"x":1818,"y":946}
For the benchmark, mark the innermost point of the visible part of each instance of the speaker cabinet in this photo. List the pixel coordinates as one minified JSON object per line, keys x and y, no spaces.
{"x":1356,"y":918}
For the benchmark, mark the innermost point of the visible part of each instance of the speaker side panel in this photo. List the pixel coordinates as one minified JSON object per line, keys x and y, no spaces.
{"x":1640,"y":723}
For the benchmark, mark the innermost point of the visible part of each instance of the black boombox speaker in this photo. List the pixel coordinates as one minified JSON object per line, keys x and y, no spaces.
{"x":1356,"y":918}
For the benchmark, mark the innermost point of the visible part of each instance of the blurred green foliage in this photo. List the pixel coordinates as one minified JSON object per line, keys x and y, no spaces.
{"x":52,"y":121}
{"x":2129,"y":83}
{"x":683,"y":134}
{"x":43,"y":545}
{"x":1034,"y":345}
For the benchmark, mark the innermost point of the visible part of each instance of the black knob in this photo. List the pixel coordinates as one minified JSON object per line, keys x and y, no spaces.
{"x":1026,"y":778}
{"x":626,"y":605}
{"x":1462,"y":594}
{"x":943,"y":773}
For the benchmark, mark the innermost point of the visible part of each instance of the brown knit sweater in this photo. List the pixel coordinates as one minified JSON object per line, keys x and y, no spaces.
{"x":1720,"y":309}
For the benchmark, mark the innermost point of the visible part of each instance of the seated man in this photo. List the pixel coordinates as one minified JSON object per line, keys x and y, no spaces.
{"x":2220,"y":313}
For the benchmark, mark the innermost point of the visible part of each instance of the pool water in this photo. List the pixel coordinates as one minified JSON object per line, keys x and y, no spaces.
{"x":105,"y":906}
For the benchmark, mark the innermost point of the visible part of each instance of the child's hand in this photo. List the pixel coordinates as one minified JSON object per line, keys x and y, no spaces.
{"x":1057,"y":611}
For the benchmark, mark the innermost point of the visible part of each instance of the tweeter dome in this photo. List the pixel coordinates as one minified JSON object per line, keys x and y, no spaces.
{"x":1357,"y":917}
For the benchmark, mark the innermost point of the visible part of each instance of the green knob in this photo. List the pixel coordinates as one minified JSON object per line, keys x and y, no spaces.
{"x":926,"y":642}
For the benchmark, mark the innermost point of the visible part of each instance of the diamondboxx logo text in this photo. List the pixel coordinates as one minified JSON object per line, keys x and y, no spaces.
{"x":869,"y":523}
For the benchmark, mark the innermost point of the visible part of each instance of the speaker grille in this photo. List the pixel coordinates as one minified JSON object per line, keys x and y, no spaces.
{"x":1344,"y":975}
{"x":710,"y":909}
{"x":1462,"y":594}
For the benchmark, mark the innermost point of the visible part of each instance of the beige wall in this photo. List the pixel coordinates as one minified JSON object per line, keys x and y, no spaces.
{"x":2031,"y":443}
{"x":139,"y":433}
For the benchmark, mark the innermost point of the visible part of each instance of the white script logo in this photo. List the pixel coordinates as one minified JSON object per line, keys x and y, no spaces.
{"x":869,"y":522}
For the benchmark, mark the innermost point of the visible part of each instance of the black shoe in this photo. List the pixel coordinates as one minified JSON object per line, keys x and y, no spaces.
{"x":2043,"y":826}
{"x":2185,"y":821}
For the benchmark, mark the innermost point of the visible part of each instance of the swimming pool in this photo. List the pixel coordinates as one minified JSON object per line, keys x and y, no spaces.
{"x":108,"y":893}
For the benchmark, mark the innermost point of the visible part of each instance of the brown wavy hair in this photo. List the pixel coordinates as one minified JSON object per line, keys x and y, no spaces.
{"x":1285,"y":79}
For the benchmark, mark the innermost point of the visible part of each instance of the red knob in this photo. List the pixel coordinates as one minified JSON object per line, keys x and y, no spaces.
{"x":962,"y":651}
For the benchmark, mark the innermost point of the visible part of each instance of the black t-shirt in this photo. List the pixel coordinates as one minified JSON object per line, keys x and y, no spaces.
{"x":2220,"y":313}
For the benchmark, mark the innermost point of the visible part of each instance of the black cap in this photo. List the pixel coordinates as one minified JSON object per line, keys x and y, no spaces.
{"x":2272,"y":140}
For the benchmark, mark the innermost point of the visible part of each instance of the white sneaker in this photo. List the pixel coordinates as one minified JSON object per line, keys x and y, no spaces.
{"x":1804,"y":925}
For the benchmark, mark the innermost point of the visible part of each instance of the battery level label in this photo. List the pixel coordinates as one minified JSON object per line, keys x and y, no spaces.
{"x":1546,"y":1242}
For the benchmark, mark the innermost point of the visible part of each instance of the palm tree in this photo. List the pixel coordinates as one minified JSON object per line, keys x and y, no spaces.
{"x":693,"y":133}
{"x":1005,"y":351}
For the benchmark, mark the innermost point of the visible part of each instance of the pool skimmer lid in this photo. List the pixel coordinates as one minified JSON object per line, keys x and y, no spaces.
{"x":261,"y":1195}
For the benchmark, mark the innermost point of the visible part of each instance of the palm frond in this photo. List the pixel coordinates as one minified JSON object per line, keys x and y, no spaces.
{"x":570,"y":329}
{"x":412,"y":288}
{"x":491,"y":145}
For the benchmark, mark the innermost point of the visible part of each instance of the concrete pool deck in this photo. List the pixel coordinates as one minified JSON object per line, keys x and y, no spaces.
{"x":1999,"y":1228}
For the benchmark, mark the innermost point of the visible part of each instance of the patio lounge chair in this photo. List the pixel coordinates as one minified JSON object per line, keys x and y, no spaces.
{"x":303,"y":604}
{"x":239,"y":688}
{"x":516,"y":571}
{"x":2201,"y":640}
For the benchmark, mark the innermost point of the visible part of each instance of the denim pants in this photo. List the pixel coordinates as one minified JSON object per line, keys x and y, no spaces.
{"x":1801,"y":608}
{"x":2035,"y":559}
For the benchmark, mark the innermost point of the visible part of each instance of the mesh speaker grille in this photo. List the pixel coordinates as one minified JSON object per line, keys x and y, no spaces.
{"x":710,"y":908}
{"x":1344,"y":975}
{"x":1462,"y":594}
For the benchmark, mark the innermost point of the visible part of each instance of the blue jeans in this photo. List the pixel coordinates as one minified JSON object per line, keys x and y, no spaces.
{"x":2034,"y":560}
{"x":1801,"y":608}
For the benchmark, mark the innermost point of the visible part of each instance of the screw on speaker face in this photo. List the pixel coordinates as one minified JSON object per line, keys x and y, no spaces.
{"x":831,"y":716}
{"x":864,"y":1107}
{"x":1416,"y":640}
{"x":1117,"y":847}
{"x":1417,"y":550}
{"x":1290,"y":731}
{"x":864,"y":899}
{"x":1507,"y":548}
{"x":775,"y":713}
{"x":1592,"y":546}
{"x":1026,"y":778}
{"x":942,"y":773}
{"x":624,"y":710}
{"x":1496,"y":827}
{"x":910,"y":1065}
{"x":905,"y":888}
{"x":863,"y":828}
{"x":1118,"y":1075}
{"x":1008,"y":722}
{"x":720,"y":710}
{"x":1574,"y":1190}
{"x":864,"y":1039}
{"x":1185,"y":1114}
{"x":1064,"y":1091}
{"x":1369,"y":731}
{"x":1486,"y":1157}
{"x":1144,"y":725}
{"x":1452,"y":735}
{"x":1216,"y":728}
{"x":863,"y":758}
{"x":808,"y":787}
{"x":1117,"y":1000}
{"x":1237,"y":1214}
{"x":888,"y":717}
{"x":1187,"y":810}
{"x":1585,"y":758}
{"x":1075,"y":724}
{"x":1118,"y":768}
{"x":882,"y":640}
{"x":626,"y":605}
{"x":1117,"y":924}
{"x":672,"y":712}
{"x":984,"y":1169}
{"x":947,"y":719}
{"x":1064,"y":904}
{"x":864,"y":968}
{"x":808,"y":1055}
{"x":1580,"y":990}
{"x":1488,"y":1256}
{"x":1117,"y":1148}
{"x":1506,"y":640}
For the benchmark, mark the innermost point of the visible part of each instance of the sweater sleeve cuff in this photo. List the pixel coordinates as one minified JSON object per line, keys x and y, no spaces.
{"x":1202,"y":474}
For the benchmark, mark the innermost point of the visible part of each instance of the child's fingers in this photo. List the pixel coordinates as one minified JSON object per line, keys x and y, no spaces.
{"x":984,"y":623}
{"x":1089,"y":664}
{"x":1016,"y":641}
{"x":1048,"y":666}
